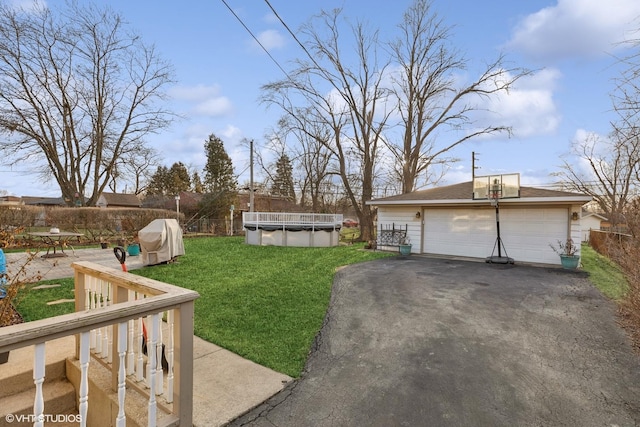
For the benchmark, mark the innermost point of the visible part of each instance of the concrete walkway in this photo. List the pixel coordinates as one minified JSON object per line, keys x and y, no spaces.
{"x":225,"y":385}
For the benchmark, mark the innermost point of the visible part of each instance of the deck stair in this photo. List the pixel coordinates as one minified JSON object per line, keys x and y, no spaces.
{"x":17,"y":389}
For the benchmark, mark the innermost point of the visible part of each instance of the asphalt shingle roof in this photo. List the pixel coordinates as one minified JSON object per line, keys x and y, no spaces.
{"x":122,"y":199}
{"x":464,"y":191}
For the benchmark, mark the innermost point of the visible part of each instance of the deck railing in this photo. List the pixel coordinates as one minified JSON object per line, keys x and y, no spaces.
{"x":117,"y":315}
{"x":292,"y":219}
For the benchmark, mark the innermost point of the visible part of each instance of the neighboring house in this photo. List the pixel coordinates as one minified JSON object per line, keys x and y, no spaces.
{"x":448,"y":221}
{"x":43,"y":201}
{"x":591,"y":221}
{"x":264,"y":203}
{"x":10,"y":201}
{"x":118,"y":200}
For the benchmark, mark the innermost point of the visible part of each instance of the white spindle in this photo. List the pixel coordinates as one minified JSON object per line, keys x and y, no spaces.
{"x":38,"y":379}
{"x":131,"y":337}
{"x":83,"y":401}
{"x":106,"y":330}
{"x":140,"y":359}
{"x":151,"y":348}
{"x":147,"y":375}
{"x":111,"y":331}
{"x":130,"y":351}
{"x":159,"y":352}
{"x":169,"y":395}
{"x":92,"y":306}
{"x":121,"y":420}
{"x":100,"y":331}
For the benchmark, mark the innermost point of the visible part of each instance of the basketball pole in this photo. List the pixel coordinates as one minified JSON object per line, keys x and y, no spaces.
{"x":495,"y":200}
{"x":498,"y":239}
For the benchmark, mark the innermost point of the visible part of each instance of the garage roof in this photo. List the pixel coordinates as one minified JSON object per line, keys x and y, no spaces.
{"x":461,"y":194}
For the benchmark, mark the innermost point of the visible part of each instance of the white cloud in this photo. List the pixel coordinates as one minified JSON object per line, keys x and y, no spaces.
{"x":528,"y":107}
{"x":214,"y":107}
{"x":232,"y":133}
{"x":577,"y":28}
{"x":28,"y":5}
{"x":202,"y":100}
{"x":270,"y":39}
{"x":194,"y":93}
{"x":271,"y":18}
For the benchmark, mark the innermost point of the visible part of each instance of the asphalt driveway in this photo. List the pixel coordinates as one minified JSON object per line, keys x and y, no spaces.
{"x":433,"y":342}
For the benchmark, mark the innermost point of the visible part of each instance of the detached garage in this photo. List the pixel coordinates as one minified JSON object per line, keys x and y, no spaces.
{"x":450,"y":221}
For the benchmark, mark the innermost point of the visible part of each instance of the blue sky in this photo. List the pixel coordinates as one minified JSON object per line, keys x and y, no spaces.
{"x":219,"y":70}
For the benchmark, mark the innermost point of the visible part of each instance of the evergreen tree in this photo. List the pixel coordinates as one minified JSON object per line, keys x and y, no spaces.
{"x":219,"y":168}
{"x":179,"y":179}
{"x":219,"y":181}
{"x":169,"y":181}
{"x":196,"y":183}
{"x":283,"y":179}
{"x":158,"y":183}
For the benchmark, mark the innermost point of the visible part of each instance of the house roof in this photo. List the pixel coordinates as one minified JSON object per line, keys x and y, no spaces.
{"x":595,"y":215}
{"x":121,"y":199}
{"x":461,"y":194}
{"x":43,"y":201}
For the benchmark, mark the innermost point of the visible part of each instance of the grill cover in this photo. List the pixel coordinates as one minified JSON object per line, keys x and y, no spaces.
{"x":161,"y":241}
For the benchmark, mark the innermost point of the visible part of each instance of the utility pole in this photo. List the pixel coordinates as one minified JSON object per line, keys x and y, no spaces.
{"x":251,"y":176}
{"x":473,"y":166}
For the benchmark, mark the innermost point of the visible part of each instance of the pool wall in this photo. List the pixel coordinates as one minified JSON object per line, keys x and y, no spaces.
{"x":292,"y":229}
{"x":303,"y":238}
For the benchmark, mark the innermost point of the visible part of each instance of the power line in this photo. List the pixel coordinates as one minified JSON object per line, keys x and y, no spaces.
{"x":304,"y":48}
{"x":255,"y":38}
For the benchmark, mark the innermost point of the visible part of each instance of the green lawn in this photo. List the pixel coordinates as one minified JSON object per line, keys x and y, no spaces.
{"x":604,"y":274}
{"x":265,"y":303}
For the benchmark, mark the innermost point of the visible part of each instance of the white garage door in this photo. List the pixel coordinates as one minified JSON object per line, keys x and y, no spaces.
{"x":526,"y":233}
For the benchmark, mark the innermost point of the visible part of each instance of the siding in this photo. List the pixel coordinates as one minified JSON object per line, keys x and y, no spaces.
{"x":401,"y":217}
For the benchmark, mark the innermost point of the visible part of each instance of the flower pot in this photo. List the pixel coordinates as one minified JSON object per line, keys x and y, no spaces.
{"x":133,"y":249}
{"x":569,"y":262}
{"x":405,"y":250}
{"x":104,"y":245}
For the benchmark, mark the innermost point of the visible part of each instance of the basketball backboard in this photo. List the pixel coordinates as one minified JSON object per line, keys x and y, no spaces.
{"x":505,"y":186}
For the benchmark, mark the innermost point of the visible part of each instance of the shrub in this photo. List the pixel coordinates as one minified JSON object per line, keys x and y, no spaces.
{"x":624,"y":250}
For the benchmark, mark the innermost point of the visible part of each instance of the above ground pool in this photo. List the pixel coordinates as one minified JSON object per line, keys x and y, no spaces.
{"x":291,"y":229}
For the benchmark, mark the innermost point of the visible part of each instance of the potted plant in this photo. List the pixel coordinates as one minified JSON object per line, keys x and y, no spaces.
{"x":568,"y":252}
{"x":405,"y":246}
{"x":133,"y":249}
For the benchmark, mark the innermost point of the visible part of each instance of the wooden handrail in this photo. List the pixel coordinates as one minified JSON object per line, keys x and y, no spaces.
{"x":24,"y":334}
{"x":160,"y":297}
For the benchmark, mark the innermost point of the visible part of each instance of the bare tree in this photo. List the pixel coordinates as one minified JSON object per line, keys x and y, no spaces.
{"x":609,"y":177}
{"x":266,"y":153}
{"x":311,"y":156}
{"x":347,"y":100}
{"x":78,"y":93}
{"x":315,"y":161}
{"x":137,"y":167}
{"x":612,"y":172}
{"x":429,"y":100}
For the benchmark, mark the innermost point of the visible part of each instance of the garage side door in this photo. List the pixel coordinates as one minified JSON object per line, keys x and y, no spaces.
{"x":526,"y":233}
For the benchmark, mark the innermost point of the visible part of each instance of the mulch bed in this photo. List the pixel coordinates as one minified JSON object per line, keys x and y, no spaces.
{"x":11,"y":317}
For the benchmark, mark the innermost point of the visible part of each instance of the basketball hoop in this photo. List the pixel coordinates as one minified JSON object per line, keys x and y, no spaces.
{"x":495,"y":193}
{"x":494,"y":197}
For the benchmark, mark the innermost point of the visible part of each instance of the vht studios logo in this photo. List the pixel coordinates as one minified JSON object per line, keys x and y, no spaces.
{"x":44,"y":418}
